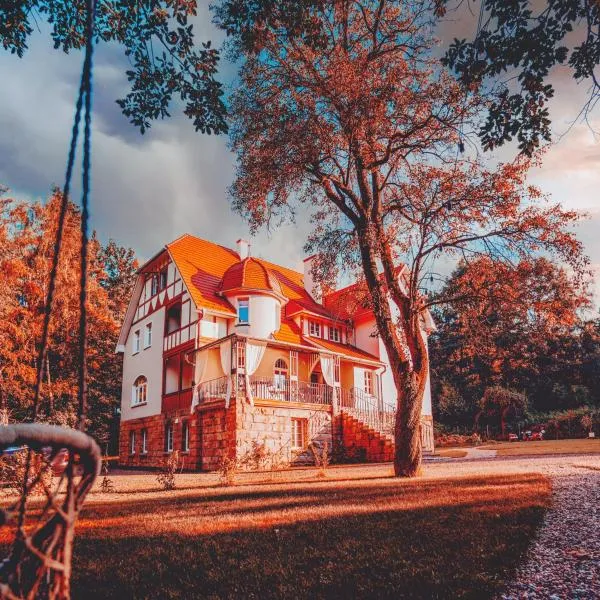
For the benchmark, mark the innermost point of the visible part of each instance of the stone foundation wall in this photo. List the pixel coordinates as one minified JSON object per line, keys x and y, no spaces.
{"x":156,"y":455}
{"x":266,"y":429}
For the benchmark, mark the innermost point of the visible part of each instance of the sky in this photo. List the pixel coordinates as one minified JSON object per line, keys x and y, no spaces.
{"x":148,"y":190}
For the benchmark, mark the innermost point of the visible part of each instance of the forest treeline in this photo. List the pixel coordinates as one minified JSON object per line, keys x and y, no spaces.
{"x":529,"y":330}
{"x":27,"y":233}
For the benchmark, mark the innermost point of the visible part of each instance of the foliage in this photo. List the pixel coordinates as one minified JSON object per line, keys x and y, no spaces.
{"x":159,"y":43}
{"x":12,"y":473}
{"x":26,"y":245}
{"x":454,"y":439}
{"x":228,"y":469}
{"x":321,"y":457}
{"x":363,"y":128}
{"x":526,"y":39}
{"x":501,"y":403}
{"x":516,"y":326}
{"x":166,"y":475}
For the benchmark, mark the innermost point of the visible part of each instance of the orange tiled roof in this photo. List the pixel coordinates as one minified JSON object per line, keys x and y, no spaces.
{"x":202,"y":264}
{"x":289,"y":333}
{"x":250,"y":274}
{"x":345,"y":349}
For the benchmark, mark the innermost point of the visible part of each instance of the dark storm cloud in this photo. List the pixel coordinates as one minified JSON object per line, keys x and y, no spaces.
{"x":150,"y":189}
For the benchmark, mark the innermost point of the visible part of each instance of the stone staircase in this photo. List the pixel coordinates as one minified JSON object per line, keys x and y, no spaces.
{"x":370,"y":439}
{"x":363,"y":443}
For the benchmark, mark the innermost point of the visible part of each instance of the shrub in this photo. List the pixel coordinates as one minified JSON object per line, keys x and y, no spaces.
{"x":228,"y":470}
{"x":321,"y":458}
{"x":166,"y":475}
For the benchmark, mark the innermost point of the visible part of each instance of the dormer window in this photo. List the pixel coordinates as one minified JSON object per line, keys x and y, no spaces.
{"x":314,"y":328}
{"x":243,"y":311}
{"x":334,"y":334}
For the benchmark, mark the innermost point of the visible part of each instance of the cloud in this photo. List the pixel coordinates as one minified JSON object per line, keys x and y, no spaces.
{"x":148,"y":190}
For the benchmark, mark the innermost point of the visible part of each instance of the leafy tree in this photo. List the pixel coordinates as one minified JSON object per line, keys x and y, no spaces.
{"x":158,"y":40}
{"x":27,"y":242}
{"x":362,"y":125}
{"x":526,"y":39}
{"x":502,"y":403}
{"x":513,"y":326}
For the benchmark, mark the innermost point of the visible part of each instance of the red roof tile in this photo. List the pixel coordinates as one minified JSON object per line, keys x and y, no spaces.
{"x":250,"y":274}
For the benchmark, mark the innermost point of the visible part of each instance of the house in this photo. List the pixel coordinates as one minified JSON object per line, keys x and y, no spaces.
{"x":226,"y":355}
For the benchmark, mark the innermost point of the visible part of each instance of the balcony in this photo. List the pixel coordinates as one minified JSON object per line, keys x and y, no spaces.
{"x":268,"y":388}
{"x":181,"y":400}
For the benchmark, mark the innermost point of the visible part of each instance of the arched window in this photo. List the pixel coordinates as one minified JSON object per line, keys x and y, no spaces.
{"x":280,"y":374}
{"x":139,"y":391}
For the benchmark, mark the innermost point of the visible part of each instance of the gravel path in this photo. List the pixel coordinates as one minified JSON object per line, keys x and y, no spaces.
{"x":564,"y":561}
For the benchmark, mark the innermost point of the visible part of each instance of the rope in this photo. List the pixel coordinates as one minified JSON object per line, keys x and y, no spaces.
{"x":83,"y":283}
{"x":85,"y":93}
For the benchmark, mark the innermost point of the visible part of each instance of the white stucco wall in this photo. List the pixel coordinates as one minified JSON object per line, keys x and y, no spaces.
{"x":264,"y":311}
{"x":147,"y":362}
{"x":363,"y":337}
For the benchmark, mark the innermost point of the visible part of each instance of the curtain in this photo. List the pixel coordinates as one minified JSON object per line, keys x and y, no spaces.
{"x":225,"y":352}
{"x":327,"y":368}
{"x":254,"y":355}
{"x":199,"y":375}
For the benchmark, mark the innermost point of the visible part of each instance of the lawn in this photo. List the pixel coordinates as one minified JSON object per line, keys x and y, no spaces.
{"x":450,"y":453}
{"x":357,"y":533}
{"x":583,"y":446}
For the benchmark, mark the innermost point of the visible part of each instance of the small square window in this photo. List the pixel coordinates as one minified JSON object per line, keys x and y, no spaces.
{"x":334,"y":334}
{"x":299,"y":434}
{"x":148,"y":335}
{"x":314,"y":328}
{"x":243,"y":311}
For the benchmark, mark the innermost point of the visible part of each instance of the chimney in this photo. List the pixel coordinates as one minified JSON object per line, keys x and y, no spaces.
{"x":243,"y":248}
{"x":309,"y":284}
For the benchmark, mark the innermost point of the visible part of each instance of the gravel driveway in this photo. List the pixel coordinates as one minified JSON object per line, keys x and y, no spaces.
{"x":564,"y":560}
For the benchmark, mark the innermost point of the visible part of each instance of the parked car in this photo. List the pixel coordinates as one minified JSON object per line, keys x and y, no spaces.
{"x":513,"y":437}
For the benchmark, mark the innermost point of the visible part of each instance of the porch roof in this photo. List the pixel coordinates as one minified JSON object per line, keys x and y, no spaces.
{"x":344,"y":349}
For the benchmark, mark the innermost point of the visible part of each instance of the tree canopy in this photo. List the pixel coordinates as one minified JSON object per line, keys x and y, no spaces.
{"x":159,"y":43}
{"x":360,"y":123}
{"x":27,"y":237}
{"x":515,"y":48}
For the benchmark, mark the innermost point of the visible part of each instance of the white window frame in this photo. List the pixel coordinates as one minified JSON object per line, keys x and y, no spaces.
{"x":335,"y":334}
{"x":147,"y":335}
{"x":368,"y":382}
{"x":139,"y":391}
{"x":136,"y":342}
{"x":132,"y":442}
{"x":314,"y":328}
{"x":169,"y":437}
{"x":246,"y":302}
{"x":144,"y":441}
{"x":299,"y":433}
{"x":185,"y":436}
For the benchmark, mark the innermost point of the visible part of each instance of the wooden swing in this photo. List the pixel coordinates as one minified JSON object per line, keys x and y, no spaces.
{"x":39,"y":562}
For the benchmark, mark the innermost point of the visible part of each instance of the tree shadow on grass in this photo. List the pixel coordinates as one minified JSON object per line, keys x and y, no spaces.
{"x":453,"y":538}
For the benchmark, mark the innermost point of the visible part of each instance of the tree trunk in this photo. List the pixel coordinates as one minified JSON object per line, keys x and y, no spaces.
{"x":409,"y":382}
{"x":407,"y":429}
